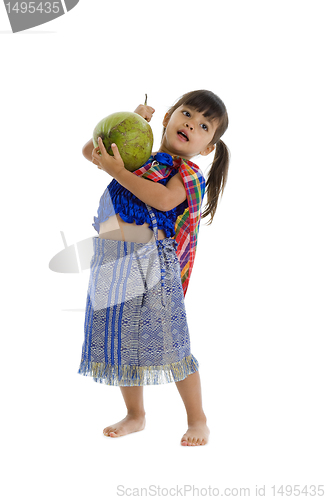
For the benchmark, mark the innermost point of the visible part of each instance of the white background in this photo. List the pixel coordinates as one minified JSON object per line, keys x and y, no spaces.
{"x":256,"y":300}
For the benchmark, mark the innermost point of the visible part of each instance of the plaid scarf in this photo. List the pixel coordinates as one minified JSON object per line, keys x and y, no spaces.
{"x":187,"y":224}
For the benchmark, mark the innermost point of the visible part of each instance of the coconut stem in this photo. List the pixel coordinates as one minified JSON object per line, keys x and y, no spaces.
{"x":145,"y":100}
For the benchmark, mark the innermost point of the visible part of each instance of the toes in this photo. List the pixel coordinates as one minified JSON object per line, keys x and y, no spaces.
{"x":184,"y":440}
{"x":200,"y":442}
{"x":192,"y":441}
{"x":108,"y":430}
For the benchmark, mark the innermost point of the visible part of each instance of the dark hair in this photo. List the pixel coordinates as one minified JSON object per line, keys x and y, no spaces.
{"x":212,"y":107}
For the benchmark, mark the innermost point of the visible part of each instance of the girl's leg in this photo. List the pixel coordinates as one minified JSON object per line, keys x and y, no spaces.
{"x":190,"y":392}
{"x":135,"y":419}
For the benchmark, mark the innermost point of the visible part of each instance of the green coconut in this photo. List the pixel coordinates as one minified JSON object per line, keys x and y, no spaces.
{"x":131,"y":133}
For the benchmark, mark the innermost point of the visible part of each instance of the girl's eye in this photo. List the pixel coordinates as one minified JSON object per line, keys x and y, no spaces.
{"x":186,"y":113}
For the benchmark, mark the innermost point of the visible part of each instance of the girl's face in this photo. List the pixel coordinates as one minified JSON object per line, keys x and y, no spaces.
{"x":188,"y":133}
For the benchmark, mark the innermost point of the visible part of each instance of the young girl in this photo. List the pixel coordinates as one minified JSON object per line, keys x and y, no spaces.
{"x":136,"y":330}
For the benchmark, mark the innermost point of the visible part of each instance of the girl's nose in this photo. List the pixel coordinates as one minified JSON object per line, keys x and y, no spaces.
{"x":190,"y":126}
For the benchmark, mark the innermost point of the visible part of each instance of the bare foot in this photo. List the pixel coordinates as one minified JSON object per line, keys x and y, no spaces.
{"x":131,"y":423}
{"x":196,"y":435}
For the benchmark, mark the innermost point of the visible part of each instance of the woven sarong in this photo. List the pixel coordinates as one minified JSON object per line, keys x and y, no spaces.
{"x":136,"y":330}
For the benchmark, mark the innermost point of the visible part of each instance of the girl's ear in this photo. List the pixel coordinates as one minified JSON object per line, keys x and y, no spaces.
{"x":166,"y":119}
{"x":208,"y":150}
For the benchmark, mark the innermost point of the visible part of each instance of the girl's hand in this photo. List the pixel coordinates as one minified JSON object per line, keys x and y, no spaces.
{"x":145,"y":111}
{"x":110,"y":164}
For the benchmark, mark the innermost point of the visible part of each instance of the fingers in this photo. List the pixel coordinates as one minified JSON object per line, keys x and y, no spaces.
{"x":116,"y":156}
{"x":149,"y":110}
{"x":148,"y":113}
{"x":101,"y":145}
{"x":99,"y":152}
{"x":115,"y":151}
{"x":96,"y":162}
{"x":105,"y":161}
{"x":95,"y":156}
{"x":145,"y":111}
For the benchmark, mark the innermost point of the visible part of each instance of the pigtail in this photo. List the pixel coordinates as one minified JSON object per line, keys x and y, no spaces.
{"x":216,"y":180}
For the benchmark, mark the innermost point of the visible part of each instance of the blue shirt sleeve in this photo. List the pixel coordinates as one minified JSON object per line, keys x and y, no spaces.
{"x":118,"y":200}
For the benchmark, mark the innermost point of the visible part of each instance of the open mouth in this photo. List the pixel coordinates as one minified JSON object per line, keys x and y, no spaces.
{"x":183,"y":136}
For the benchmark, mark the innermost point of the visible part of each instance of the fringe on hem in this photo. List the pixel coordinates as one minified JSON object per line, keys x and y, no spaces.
{"x":130,"y":375}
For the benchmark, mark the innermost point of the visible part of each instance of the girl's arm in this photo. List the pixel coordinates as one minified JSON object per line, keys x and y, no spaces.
{"x":153,"y":193}
{"x":87,"y":150}
{"x":156,"y":195}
